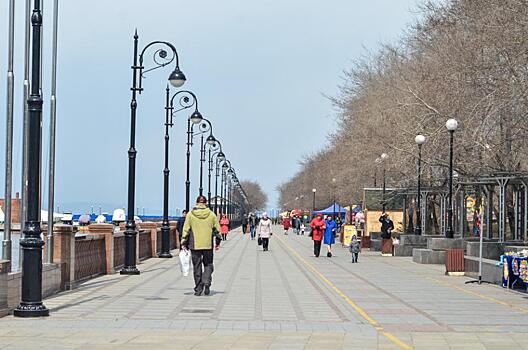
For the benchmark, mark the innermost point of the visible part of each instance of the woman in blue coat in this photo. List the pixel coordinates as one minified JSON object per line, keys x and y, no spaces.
{"x":329,"y":234}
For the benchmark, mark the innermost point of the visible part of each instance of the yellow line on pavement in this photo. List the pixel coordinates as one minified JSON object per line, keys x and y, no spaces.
{"x":401,"y":344}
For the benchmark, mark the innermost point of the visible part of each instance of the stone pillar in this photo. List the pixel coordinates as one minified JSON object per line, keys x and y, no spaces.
{"x":174,"y":234}
{"x":64,"y":253}
{"x":152,"y":228}
{"x":107,"y":231}
{"x":4,"y":268}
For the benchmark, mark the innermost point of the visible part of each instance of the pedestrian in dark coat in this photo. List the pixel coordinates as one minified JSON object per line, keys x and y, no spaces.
{"x":386,"y":226}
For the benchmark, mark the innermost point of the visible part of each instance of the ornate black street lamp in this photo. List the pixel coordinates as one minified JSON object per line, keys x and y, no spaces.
{"x":451,"y":126}
{"x":214,"y":150}
{"x":187,"y":100}
{"x":420,"y":140}
{"x":177,"y":79}
{"x":229,"y":186}
{"x":205,"y":126}
{"x":31,"y":244}
{"x":223,"y":190}
{"x":195,"y":118}
{"x":220,"y":157}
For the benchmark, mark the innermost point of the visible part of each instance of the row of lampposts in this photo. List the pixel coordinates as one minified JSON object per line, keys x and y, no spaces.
{"x":451,"y":126}
{"x":164,"y":53}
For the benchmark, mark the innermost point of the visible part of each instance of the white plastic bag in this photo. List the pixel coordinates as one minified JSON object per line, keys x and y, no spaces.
{"x":185,"y":261}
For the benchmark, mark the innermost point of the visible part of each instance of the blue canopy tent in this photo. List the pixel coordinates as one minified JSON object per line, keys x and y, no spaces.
{"x":339,"y":210}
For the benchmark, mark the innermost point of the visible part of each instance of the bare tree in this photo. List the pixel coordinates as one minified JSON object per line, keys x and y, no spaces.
{"x":462,"y":59}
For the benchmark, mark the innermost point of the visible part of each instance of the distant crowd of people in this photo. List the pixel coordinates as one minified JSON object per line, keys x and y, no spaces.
{"x":202,"y":232}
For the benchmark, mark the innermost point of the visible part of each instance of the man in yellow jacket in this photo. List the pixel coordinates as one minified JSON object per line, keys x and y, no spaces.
{"x":200,"y":226}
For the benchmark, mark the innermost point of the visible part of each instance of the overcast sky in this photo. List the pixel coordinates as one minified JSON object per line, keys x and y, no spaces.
{"x":259,"y":68}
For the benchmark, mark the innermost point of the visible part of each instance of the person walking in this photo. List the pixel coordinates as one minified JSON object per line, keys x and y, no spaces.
{"x":318,"y":226}
{"x":180,"y":224}
{"x":329,"y":234}
{"x":224,"y":227}
{"x":354,"y":248}
{"x":200,"y":226}
{"x":244,"y":223}
{"x":265,"y":231}
{"x":252,"y":225}
{"x":286,"y":224}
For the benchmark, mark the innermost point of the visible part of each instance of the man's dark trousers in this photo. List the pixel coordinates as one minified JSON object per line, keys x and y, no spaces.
{"x":317,"y":248}
{"x":202,"y":277}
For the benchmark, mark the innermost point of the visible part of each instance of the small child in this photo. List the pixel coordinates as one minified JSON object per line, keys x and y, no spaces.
{"x":303,"y":227}
{"x":354,"y":248}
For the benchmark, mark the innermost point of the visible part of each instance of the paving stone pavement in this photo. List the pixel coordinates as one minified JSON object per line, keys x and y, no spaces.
{"x":281,"y":299}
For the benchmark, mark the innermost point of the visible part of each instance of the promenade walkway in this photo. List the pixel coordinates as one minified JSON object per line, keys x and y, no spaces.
{"x":281,"y":299}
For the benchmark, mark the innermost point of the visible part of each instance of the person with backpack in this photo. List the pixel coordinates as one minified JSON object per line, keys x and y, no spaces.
{"x":354,"y":248}
{"x":200,"y":227}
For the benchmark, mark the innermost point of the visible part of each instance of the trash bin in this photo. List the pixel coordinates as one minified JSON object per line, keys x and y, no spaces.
{"x":455,"y":261}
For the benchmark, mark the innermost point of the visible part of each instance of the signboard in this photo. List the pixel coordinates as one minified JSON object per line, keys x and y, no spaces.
{"x":348,"y":232}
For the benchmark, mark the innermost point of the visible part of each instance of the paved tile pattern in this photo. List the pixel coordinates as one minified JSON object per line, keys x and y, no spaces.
{"x":281,"y":299}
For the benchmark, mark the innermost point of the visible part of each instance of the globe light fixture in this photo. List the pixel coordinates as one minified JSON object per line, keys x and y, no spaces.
{"x":177,"y":78}
{"x":451,"y":124}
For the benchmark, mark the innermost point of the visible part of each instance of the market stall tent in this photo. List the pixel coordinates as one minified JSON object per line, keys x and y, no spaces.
{"x":330,"y":210}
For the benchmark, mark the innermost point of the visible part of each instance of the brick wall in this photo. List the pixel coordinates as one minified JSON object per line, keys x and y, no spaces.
{"x":15,"y":208}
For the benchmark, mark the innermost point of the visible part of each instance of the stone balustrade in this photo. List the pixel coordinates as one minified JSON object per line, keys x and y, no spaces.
{"x":80,"y":255}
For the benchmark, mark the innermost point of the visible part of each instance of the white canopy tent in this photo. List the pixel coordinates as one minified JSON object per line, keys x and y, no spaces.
{"x":44,"y":216}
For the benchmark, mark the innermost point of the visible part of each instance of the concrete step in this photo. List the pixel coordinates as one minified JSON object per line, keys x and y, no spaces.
{"x":445,"y":243}
{"x":429,"y":256}
{"x":407,"y":249}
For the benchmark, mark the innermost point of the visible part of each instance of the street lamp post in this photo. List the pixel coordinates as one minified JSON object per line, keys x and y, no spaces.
{"x":383,"y":157}
{"x":185,"y":102}
{"x":195,"y":118}
{"x":223,"y":191}
{"x":217,"y":174}
{"x":229,"y":186}
{"x":313,"y":202}
{"x":420,"y":140}
{"x":334,"y":195}
{"x":451,"y":126}
{"x":219,"y":155}
{"x":31,"y":244}
{"x":177,"y":79}
{"x":205,"y":126}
